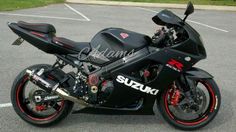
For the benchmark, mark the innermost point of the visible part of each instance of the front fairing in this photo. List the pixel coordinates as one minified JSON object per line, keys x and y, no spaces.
{"x":193,"y":44}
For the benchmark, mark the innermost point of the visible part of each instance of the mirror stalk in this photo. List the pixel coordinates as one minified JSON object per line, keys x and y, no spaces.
{"x":185,"y":18}
{"x":189,"y":10}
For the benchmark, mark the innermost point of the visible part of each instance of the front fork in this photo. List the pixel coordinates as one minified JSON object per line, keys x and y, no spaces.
{"x":188,"y":87}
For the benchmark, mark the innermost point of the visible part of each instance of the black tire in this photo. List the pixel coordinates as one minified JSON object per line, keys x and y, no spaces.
{"x":209,"y":116}
{"x":64,"y":110}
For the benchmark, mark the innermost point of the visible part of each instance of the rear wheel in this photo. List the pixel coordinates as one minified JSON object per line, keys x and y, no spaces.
{"x":189,"y":114}
{"x":26,"y":100}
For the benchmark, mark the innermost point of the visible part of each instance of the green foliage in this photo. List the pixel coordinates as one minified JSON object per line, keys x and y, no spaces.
{"x":6,"y":5}
{"x":199,"y":2}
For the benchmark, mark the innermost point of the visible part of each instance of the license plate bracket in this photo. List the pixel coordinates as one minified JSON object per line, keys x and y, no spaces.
{"x":18,"y":41}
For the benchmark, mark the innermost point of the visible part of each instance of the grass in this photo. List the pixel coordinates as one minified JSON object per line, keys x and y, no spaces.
{"x":7,"y":5}
{"x":198,"y":2}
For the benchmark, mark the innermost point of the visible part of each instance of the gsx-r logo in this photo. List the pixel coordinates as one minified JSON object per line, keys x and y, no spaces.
{"x":175,"y":65}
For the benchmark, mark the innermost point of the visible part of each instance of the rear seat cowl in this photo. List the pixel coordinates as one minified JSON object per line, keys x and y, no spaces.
{"x":38,"y":27}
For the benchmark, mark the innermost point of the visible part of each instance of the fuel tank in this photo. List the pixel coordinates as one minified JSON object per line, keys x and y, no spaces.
{"x":114,"y":43}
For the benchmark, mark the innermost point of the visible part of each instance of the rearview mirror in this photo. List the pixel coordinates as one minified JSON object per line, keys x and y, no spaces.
{"x":189,"y":10}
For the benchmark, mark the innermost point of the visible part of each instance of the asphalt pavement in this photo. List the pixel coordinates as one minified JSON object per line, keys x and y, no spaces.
{"x":81,"y":22}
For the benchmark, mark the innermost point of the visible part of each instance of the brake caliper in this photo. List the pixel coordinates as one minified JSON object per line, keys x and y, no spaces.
{"x":175,"y":97}
{"x":40,"y":107}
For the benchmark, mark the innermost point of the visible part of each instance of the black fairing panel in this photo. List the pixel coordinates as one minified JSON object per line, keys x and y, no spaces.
{"x":121,"y":92}
{"x":165,"y":77}
{"x":117,"y":40}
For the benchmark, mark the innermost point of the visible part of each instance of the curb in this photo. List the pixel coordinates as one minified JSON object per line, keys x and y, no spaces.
{"x":160,"y":5}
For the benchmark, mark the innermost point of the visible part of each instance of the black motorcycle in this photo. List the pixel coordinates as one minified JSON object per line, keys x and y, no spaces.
{"x":119,"y":70}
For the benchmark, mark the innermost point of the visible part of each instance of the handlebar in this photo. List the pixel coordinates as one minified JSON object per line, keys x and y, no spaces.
{"x":169,"y":36}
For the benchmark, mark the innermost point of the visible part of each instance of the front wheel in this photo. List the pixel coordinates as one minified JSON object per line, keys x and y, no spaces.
{"x":27,"y":101}
{"x":190,"y":114}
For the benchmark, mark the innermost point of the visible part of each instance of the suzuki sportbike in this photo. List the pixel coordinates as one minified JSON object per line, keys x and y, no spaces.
{"x":119,"y":70}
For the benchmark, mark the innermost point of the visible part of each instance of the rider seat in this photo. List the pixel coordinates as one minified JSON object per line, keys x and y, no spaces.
{"x":83,"y":47}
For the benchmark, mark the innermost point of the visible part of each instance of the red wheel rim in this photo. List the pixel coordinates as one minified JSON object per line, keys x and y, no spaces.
{"x":204,"y":117}
{"x":22,"y":108}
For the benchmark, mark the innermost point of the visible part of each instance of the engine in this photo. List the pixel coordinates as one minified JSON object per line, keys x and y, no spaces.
{"x":95,"y":90}
{"x":92,"y":89}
